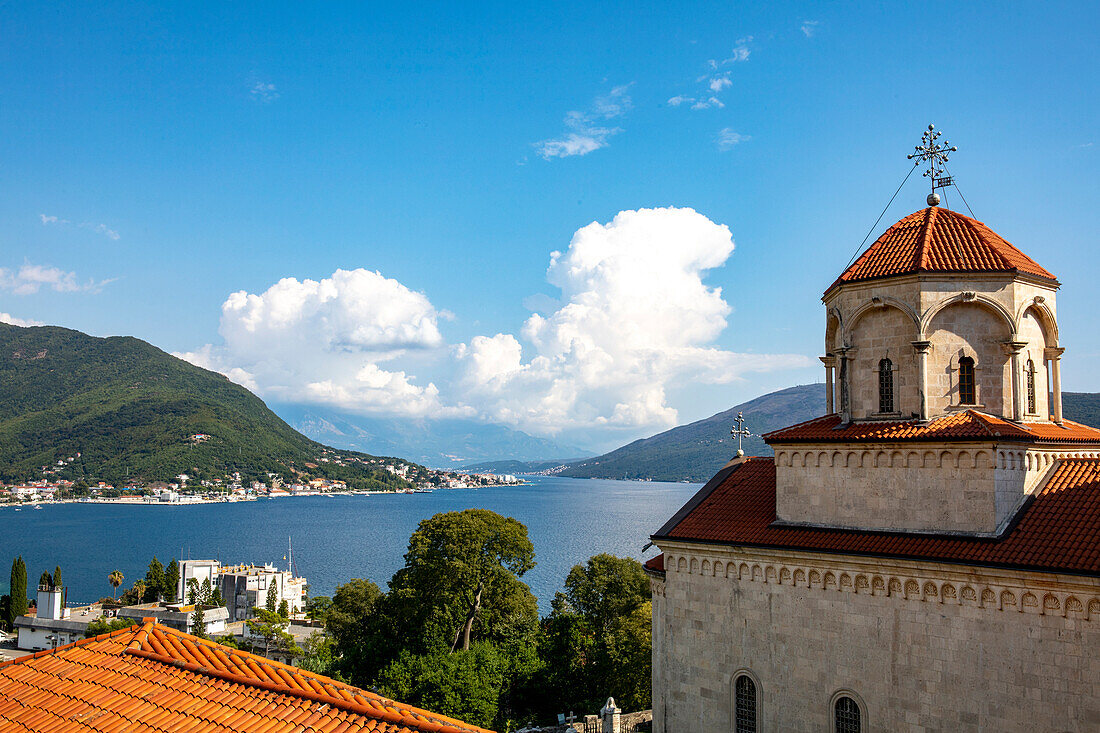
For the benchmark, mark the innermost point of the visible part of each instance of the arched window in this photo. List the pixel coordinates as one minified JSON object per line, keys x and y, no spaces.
{"x":885,"y":386}
{"x":846,"y":715}
{"x":967,"y":394}
{"x":744,"y":704}
{"x":1029,"y":373}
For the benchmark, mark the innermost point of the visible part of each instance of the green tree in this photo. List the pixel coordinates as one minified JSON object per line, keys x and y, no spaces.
{"x":18,"y":591}
{"x":171,"y":580}
{"x":360,"y":630}
{"x":461,"y":581}
{"x":5,"y":607}
{"x":269,"y":604}
{"x":198,"y":621}
{"x":318,"y":654}
{"x":57,"y":577}
{"x":105,"y":626}
{"x":271,"y":627}
{"x":154,"y":581}
{"x":317,"y":607}
{"x":216,"y":597}
{"x":597,"y":639}
{"x":194,"y":594}
{"x":45,"y":580}
{"x":205,"y":592}
{"x":115,"y":579}
{"x":284,"y":609}
{"x":135,"y":595}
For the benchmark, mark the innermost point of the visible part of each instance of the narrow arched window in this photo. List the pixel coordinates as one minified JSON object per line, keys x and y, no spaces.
{"x":846,"y":716}
{"x":1030,"y":375}
{"x":966,"y":381}
{"x":885,"y":386}
{"x":744,"y":703}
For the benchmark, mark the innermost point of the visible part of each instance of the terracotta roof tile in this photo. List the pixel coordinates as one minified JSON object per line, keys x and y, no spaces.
{"x":939,"y":240}
{"x":965,"y":425}
{"x":1058,"y":531}
{"x":152,"y":678}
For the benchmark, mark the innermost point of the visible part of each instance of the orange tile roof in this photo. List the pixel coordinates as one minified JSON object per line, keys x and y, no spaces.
{"x":965,"y":425}
{"x":655,"y":563}
{"x":153,"y":678}
{"x":1059,"y":530}
{"x":939,"y":240}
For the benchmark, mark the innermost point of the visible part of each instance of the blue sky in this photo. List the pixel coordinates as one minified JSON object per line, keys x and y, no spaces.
{"x":196,"y":150}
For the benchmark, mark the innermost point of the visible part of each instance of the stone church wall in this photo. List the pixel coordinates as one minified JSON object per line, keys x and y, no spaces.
{"x":922,"y":646}
{"x":947,"y":487}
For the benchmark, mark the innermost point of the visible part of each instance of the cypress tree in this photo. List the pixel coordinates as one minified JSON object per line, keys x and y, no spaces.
{"x":57,"y":577}
{"x":18,"y":605}
{"x":270,"y":604}
{"x":154,"y":581}
{"x":44,"y":580}
{"x":171,"y":580}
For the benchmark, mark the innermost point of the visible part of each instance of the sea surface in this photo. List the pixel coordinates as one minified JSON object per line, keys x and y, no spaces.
{"x":335,"y":538}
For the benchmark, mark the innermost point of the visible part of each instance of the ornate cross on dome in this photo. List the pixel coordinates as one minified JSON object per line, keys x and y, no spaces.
{"x":740,"y":432}
{"x":935,"y":154}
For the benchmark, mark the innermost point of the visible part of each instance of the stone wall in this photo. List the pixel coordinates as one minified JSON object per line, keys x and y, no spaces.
{"x":971,"y":488}
{"x":922,"y":646}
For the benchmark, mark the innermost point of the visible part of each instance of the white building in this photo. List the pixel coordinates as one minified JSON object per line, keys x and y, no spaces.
{"x":244,"y":587}
{"x":54,"y":625}
{"x":178,"y":616}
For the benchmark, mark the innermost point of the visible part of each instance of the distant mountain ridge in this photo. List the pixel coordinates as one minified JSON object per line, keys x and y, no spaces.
{"x":696,"y":451}
{"x":123,"y":410}
{"x":440,"y":443}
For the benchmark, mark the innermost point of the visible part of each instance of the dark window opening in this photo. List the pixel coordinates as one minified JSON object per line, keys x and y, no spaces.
{"x":967,"y":394}
{"x":885,"y":386}
{"x":744,"y":693}
{"x":847,"y":716}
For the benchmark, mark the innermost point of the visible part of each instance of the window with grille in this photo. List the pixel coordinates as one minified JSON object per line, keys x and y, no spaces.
{"x":847,"y":716}
{"x":885,"y":386}
{"x":966,"y":381}
{"x":1030,"y":386}
{"x":744,"y":694}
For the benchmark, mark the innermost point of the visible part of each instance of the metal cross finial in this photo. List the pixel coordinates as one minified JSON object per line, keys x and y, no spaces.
{"x":935,"y":154}
{"x":740,"y":432}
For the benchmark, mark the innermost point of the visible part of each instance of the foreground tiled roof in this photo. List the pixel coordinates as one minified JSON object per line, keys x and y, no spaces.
{"x":965,"y":425}
{"x":1058,"y":531}
{"x":152,"y":678}
{"x":939,"y":240}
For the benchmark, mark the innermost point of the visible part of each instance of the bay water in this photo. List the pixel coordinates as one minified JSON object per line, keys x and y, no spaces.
{"x":335,"y":538}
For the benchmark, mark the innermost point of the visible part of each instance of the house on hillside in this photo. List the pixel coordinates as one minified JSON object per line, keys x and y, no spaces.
{"x":925,"y":555}
{"x":151,"y":677}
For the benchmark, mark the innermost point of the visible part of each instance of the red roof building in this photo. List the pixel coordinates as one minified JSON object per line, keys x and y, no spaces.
{"x":152,"y":678}
{"x":924,"y":555}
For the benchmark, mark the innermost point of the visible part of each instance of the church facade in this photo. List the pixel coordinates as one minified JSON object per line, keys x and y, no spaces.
{"x":926,"y":555}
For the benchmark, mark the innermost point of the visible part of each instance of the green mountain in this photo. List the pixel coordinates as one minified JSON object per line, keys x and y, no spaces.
{"x":129,"y":410}
{"x":696,"y":451}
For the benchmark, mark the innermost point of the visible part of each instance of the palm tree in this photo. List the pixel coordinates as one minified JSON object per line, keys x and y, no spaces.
{"x":115,"y":579}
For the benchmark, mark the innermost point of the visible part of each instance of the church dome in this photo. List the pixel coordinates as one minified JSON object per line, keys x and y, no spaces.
{"x":939,"y":240}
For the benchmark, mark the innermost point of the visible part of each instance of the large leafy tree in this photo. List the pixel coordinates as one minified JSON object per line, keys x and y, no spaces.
{"x":461,"y":581}
{"x":596,"y":641}
{"x":360,"y":630}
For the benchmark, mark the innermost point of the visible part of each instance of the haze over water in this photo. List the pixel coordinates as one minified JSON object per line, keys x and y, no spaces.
{"x":335,"y":538}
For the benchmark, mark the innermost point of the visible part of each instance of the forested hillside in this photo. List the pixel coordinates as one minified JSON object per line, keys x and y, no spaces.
{"x":122,"y":409}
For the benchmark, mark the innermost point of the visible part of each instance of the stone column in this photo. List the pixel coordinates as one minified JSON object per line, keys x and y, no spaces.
{"x":611,"y":716}
{"x":830,"y":363}
{"x":1014,"y":348}
{"x":1055,"y":357}
{"x":845,"y":395}
{"x":921,"y":347}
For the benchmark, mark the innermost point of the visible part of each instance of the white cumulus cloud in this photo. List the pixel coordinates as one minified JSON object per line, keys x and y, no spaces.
{"x":264,"y":91}
{"x":636,"y":317}
{"x":809,"y":27}
{"x":322,"y":341}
